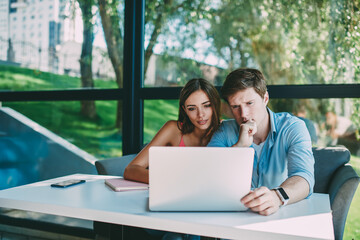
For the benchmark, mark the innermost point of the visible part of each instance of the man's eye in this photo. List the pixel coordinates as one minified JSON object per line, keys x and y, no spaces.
{"x":235,"y":107}
{"x":250,"y":103}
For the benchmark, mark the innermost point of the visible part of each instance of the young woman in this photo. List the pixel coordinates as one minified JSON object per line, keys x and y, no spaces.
{"x":199,"y":118}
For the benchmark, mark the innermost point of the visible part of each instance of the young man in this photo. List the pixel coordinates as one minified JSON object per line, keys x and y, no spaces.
{"x":283,"y":169}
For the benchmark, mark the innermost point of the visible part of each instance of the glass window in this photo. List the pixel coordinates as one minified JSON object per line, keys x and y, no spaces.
{"x":331,"y":122}
{"x":291,"y":43}
{"x":156,"y":114}
{"x":23,"y":79}
{"x":97,"y":136}
{"x":60,"y":52}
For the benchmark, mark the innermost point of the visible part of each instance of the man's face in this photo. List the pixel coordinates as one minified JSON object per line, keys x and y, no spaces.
{"x":248,"y":105}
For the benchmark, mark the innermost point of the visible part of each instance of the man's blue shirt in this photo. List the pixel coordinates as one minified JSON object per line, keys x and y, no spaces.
{"x":287,"y":150}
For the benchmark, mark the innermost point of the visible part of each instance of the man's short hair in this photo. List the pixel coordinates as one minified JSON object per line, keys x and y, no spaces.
{"x":241,"y":79}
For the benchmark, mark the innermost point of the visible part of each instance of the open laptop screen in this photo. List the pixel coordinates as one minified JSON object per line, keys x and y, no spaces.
{"x":199,"y":178}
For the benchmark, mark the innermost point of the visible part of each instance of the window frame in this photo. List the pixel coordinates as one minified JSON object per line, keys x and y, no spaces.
{"x":133,"y":92}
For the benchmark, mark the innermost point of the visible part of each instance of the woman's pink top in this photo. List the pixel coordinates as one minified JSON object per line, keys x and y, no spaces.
{"x":182,"y":144}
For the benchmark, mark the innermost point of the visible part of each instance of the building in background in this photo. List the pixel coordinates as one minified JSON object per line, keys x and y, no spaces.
{"x":46,"y":35}
{"x":33,"y":29}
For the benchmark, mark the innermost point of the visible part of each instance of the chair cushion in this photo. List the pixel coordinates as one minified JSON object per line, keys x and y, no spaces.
{"x":327,"y":161}
{"x":114,"y":166}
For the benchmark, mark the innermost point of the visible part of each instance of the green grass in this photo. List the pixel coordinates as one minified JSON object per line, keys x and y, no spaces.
{"x":99,"y":137}
{"x":352,"y":227}
{"x":156,"y":113}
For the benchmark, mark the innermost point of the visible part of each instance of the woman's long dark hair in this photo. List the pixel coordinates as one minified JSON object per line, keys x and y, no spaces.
{"x":196,"y":84}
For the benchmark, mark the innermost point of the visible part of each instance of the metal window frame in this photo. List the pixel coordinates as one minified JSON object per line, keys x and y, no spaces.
{"x":133,"y":97}
{"x":133,"y":94}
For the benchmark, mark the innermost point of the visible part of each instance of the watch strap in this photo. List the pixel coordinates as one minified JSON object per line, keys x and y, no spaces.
{"x":282,"y":195}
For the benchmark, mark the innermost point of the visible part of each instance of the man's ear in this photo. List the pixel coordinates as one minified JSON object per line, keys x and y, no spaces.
{"x":266,"y":98}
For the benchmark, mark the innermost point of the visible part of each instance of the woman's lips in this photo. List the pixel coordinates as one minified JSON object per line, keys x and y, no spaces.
{"x":202,"y":122}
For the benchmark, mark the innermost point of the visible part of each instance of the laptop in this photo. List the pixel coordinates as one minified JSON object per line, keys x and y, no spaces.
{"x":199,"y":178}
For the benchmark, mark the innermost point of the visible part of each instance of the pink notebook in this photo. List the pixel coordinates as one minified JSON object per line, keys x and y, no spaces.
{"x":120,"y":184}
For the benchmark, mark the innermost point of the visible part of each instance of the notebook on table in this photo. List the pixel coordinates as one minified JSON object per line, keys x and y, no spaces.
{"x":120,"y":184}
{"x":199,"y":178}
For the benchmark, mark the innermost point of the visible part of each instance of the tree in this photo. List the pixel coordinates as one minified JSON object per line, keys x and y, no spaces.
{"x":110,"y":20}
{"x":291,"y":42}
{"x":296,"y":42}
{"x":159,"y":12}
{"x":88,"y":108}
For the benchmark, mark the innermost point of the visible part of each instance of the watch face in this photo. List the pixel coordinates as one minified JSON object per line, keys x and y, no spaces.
{"x":283,"y":193}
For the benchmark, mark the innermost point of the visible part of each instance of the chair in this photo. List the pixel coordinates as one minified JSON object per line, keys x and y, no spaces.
{"x":116,"y":167}
{"x":113,"y":166}
{"x":338,"y":179}
{"x":333,"y":176}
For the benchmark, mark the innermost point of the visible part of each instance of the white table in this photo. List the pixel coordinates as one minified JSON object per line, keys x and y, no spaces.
{"x":308,"y":219}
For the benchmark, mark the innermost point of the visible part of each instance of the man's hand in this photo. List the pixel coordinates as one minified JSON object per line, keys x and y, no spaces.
{"x":246,"y":135}
{"x":262,"y":200}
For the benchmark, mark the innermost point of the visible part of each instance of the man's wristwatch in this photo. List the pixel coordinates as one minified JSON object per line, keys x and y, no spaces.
{"x":282,"y":195}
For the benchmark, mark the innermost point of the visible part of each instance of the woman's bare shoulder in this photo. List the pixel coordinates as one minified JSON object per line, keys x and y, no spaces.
{"x":172,"y":124}
{"x":171,"y":127}
{"x":169,"y":134}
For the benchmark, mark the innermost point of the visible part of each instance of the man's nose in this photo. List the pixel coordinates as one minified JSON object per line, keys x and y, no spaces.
{"x":243,"y":113}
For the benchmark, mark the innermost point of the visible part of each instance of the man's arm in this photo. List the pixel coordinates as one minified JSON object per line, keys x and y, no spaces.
{"x":225,"y":136}
{"x":246,"y":134}
{"x":300,"y":179}
{"x":266,"y":201}
{"x":297,"y":188}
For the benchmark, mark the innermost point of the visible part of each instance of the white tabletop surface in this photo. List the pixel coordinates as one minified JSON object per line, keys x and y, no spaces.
{"x":308,"y":219}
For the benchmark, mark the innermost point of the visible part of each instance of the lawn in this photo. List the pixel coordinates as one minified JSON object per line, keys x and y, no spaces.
{"x":99,"y":137}
{"x":352,"y":227}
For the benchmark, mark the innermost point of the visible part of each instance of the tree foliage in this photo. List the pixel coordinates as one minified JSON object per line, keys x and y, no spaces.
{"x":291,"y":42}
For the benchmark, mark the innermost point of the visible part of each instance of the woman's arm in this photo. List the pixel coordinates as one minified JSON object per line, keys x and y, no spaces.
{"x":137,"y":170}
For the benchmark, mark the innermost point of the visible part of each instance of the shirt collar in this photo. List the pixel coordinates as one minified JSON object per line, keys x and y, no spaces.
{"x":272,"y":125}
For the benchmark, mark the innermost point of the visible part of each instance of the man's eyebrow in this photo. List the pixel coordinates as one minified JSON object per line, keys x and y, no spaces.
{"x":235,"y":105}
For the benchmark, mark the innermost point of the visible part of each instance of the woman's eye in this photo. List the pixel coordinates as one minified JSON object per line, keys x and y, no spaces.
{"x":208,"y":105}
{"x":191,"y":109}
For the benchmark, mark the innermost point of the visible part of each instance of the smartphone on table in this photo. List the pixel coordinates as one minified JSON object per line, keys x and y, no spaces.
{"x":67,"y":183}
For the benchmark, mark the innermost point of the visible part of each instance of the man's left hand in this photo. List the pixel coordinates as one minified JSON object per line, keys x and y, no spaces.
{"x":262,"y":200}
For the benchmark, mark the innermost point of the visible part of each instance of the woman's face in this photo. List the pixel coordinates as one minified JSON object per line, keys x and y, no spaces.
{"x":199,"y":110}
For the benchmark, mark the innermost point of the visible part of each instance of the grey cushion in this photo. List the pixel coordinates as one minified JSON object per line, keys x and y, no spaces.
{"x":342,"y":190}
{"x":340,"y":181}
{"x":114,"y":166}
{"x":327,"y":161}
